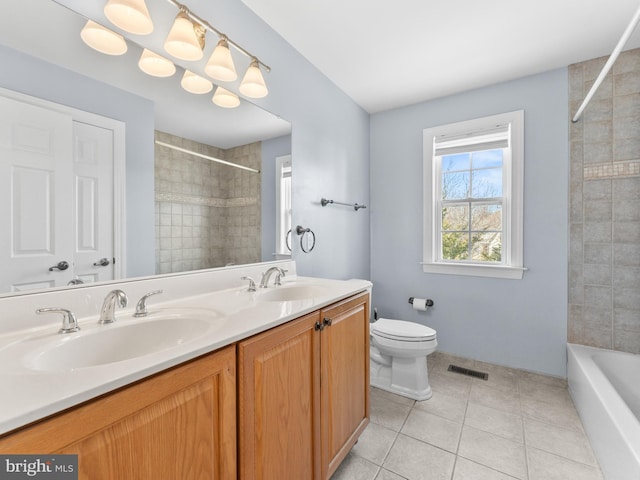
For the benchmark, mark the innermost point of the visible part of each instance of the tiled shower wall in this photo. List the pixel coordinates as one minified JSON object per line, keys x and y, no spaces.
{"x":207,"y":214}
{"x":604,"y":253}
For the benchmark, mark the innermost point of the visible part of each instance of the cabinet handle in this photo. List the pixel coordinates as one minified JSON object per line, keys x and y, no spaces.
{"x":327,"y":321}
{"x":319,"y":326}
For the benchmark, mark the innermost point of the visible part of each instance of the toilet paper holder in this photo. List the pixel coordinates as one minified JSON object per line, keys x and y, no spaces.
{"x":429,"y":301}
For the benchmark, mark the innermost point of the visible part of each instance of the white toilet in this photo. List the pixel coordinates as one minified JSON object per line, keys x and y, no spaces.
{"x":399,"y":352}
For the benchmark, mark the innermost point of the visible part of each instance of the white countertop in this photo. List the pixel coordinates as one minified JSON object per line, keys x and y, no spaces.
{"x":30,"y":394}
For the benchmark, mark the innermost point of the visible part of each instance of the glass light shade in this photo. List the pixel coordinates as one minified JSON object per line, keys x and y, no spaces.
{"x":253,"y":85}
{"x":193,"y":83}
{"x":130,"y":15}
{"x":220,"y":65}
{"x":155,"y":65}
{"x":185,"y":39}
{"x":102,"y":39}
{"x":225,"y":99}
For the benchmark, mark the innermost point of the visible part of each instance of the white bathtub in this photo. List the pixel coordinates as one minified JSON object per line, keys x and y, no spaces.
{"x":605,"y":387}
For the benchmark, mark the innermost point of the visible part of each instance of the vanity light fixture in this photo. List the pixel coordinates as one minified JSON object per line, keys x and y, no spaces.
{"x":155,"y":65}
{"x":186,"y":38}
{"x":225,"y":99}
{"x":102,"y":39}
{"x":130,"y":15}
{"x":220,"y":65}
{"x":193,"y":83}
{"x":253,"y":82}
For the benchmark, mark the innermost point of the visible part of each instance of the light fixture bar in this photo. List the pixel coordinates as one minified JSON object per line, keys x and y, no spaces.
{"x":206,"y":157}
{"x":209,"y":27}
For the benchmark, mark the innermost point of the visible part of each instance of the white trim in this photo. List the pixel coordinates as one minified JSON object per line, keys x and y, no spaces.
{"x":119,"y":167}
{"x":474,"y":270}
{"x":281,"y":162}
{"x":512,"y":264}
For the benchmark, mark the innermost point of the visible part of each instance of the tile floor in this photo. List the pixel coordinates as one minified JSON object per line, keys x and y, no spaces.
{"x":515,"y":425}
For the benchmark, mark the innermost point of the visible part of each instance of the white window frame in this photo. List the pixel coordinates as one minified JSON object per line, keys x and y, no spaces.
{"x":511,"y":266}
{"x":283,"y":205}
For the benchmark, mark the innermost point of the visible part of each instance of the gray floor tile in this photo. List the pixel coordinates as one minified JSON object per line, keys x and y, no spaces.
{"x":387,"y":475}
{"x":374,"y":443}
{"x":446,"y":406}
{"x":482,"y":394}
{"x":433,"y":429}
{"x":388,"y":413}
{"x":495,"y":421}
{"x":355,"y":468}
{"x":493,"y":451}
{"x":559,"y":414}
{"x":518,"y":425}
{"x":452,"y":384}
{"x":416,"y":460}
{"x":468,"y":470}
{"x":546,"y":466}
{"x":563,"y":442}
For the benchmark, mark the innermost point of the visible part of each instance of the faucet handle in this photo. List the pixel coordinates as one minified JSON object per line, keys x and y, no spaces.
{"x":69,"y":321}
{"x":252,"y":283}
{"x":141,"y":307}
{"x":279,"y":274}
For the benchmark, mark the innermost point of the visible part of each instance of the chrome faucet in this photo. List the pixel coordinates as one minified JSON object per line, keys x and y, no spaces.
{"x":107,"y":314}
{"x":267,"y":275}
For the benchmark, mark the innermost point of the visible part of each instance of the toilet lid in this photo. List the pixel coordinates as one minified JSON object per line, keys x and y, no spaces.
{"x":402,"y":330}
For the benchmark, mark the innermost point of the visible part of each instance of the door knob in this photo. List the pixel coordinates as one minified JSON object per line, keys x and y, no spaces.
{"x":60,"y":266}
{"x":103,"y":262}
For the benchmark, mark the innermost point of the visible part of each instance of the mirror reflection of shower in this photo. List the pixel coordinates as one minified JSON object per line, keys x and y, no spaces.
{"x":208,"y":214}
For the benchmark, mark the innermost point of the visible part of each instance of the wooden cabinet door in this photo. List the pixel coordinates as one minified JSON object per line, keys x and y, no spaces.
{"x":279,"y":403}
{"x":178,"y":424}
{"x":345,"y":378}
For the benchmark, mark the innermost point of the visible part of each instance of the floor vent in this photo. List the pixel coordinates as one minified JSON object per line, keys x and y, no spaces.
{"x":466,"y":371}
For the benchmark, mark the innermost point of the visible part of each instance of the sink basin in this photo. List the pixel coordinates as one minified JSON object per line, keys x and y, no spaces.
{"x":115,"y":343}
{"x":291,"y":293}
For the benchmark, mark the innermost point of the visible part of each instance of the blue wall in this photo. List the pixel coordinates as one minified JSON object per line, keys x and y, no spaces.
{"x":330,"y":145}
{"x":518,"y":323}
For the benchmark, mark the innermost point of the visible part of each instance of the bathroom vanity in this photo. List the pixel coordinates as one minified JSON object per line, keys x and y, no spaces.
{"x":281,"y":392}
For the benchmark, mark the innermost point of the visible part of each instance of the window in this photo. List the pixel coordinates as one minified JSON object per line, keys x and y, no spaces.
{"x":283,"y":205}
{"x":473,"y":188}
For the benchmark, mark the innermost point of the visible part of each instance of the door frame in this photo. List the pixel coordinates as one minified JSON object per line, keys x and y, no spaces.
{"x":119,"y":167}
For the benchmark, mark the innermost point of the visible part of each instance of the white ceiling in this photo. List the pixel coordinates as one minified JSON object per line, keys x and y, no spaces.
{"x":387,"y":54}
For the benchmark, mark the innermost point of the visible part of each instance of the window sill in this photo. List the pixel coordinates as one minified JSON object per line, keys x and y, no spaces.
{"x":474,"y":270}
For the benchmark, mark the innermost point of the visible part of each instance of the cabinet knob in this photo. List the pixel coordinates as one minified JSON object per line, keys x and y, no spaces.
{"x":327,"y":322}
{"x":319,"y":326}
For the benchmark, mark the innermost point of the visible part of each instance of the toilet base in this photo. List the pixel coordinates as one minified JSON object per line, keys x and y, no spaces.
{"x":412,"y":394}
{"x":403,"y":376}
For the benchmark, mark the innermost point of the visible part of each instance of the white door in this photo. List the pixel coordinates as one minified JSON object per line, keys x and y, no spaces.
{"x":93,"y":209}
{"x":36,"y":178}
{"x":56,"y":190}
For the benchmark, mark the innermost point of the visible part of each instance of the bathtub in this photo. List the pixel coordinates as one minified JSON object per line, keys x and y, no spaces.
{"x":605,"y":387}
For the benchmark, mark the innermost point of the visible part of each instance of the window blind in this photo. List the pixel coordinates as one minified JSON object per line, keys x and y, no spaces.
{"x":491,"y":139}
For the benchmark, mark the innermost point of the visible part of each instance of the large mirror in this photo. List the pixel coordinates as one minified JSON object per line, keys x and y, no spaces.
{"x":183,"y":210}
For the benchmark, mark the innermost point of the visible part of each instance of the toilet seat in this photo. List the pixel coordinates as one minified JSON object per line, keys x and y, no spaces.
{"x":402,"y":330}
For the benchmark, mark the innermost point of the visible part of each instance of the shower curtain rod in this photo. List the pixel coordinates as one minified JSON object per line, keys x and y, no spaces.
{"x":607,"y":66}
{"x":206,"y":157}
